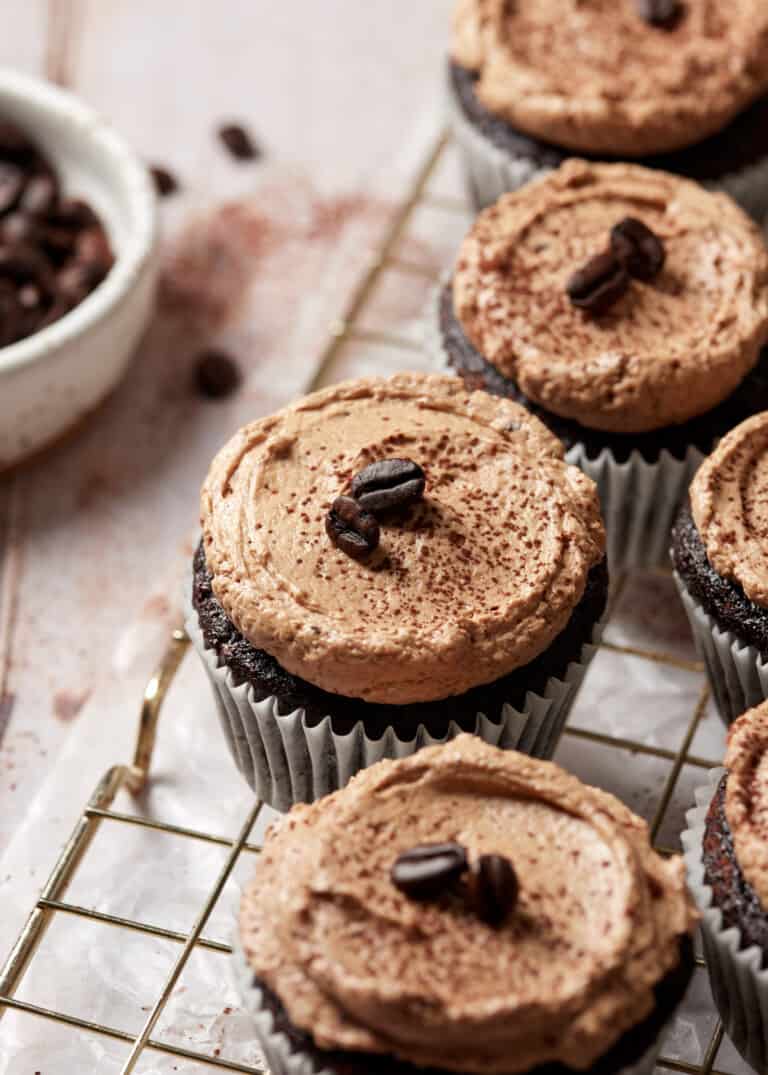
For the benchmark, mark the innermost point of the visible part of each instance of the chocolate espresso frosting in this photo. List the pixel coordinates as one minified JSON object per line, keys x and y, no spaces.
{"x":746,"y":797}
{"x":470,"y":583}
{"x":362,"y":967}
{"x":593,"y":76}
{"x":729,"y":504}
{"x":668,"y":350}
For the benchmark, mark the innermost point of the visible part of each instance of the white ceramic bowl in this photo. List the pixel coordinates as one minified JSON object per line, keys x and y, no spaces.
{"x":54,"y":378}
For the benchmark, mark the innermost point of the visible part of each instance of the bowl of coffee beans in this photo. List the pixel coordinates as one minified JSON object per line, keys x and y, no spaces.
{"x":78,"y":243}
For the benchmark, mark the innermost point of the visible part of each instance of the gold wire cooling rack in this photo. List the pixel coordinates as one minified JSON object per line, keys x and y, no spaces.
{"x":99,"y":815}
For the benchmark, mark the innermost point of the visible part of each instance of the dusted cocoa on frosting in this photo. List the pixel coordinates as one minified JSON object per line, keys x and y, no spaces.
{"x":746,"y":797}
{"x":470,"y":583}
{"x":361,"y":967}
{"x":729,"y":504}
{"x":668,"y":350}
{"x":593,"y":76}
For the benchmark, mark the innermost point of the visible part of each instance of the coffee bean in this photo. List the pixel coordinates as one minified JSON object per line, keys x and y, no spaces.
{"x":217,"y":375}
{"x":73,"y":213}
{"x":58,"y":242}
{"x":17,"y":227}
{"x":14,"y":144}
{"x":11,"y":316}
{"x":76,"y":280}
{"x":92,"y":246}
{"x":428,"y":871}
{"x":639,"y":249}
{"x":387,"y":484}
{"x":239,"y":142}
{"x":598,"y":284}
{"x":493,"y":888}
{"x":39,"y":195}
{"x":351,"y":528}
{"x":24,"y":263}
{"x":165,"y":182}
{"x":663,"y":13}
{"x":60,"y":306}
{"x":11,"y":186}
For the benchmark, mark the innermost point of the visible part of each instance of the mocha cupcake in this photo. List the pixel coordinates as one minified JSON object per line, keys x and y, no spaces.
{"x":628,"y":310}
{"x":472,"y":604}
{"x":536,"y":81}
{"x":726,"y":854}
{"x":720,"y":554}
{"x":466,"y":909}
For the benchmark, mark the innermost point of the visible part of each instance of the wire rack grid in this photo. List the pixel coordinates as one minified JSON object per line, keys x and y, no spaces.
{"x":99,"y":812}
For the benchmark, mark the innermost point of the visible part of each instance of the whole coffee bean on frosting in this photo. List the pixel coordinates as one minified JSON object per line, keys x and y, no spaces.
{"x":638,"y":248}
{"x":493,"y":888}
{"x":599,"y":284}
{"x":351,"y":528}
{"x":428,"y":871}
{"x":388,"y":484}
{"x":662,"y":13}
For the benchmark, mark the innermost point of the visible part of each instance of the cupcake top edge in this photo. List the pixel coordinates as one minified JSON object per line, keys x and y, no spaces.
{"x":729,"y":505}
{"x":461,"y":584}
{"x":672,"y":311}
{"x":746,"y":797}
{"x":598,"y":78}
{"x":364,"y":963}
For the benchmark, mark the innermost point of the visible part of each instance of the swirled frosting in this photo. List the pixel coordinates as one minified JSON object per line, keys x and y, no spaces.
{"x":668,"y":350}
{"x":361,"y":967}
{"x":474,"y":581}
{"x":729,"y":504}
{"x":593,"y":76}
{"x":746,"y":797}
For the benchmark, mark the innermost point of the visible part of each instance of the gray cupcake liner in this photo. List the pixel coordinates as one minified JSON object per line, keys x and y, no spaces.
{"x":286,"y":760}
{"x":737,"y":673}
{"x":639,"y":500}
{"x":284,"y":1059}
{"x":739,"y":985}
{"x":491,"y":171}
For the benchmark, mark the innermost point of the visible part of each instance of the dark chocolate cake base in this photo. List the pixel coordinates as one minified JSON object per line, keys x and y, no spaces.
{"x":627,"y":1051}
{"x":750,"y":398}
{"x":724,"y":600}
{"x":742,"y":144}
{"x":268,"y":678}
{"x":731,"y":893}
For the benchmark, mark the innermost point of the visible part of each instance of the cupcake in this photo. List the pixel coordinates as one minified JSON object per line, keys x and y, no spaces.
{"x":467,"y":910}
{"x":720,"y":555}
{"x":726,"y":855}
{"x":383,"y":564}
{"x":628,"y":310}
{"x":682,"y":87}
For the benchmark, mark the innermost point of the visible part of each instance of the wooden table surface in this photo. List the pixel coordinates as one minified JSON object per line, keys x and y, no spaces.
{"x":344,"y":98}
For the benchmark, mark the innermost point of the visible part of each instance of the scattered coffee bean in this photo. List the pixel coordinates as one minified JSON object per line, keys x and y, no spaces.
{"x":217,"y":375}
{"x":639,"y":249}
{"x":351,"y":528}
{"x":663,"y":13}
{"x":428,"y":871}
{"x":239,"y":142}
{"x":493,"y":888}
{"x":166,"y":182}
{"x":387,"y":484}
{"x":598,"y":284}
{"x":53,"y":250}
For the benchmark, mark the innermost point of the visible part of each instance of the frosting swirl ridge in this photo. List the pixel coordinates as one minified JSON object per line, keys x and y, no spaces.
{"x":746,"y":796}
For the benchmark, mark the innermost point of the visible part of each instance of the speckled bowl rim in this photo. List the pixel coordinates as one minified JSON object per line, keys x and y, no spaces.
{"x":138,"y":190}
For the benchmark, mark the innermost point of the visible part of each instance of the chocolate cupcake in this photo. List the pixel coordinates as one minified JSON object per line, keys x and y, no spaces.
{"x":720,"y":555}
{"x":469,"y":910}
{"x":536,"y":81}
{"x":628,"y":310}
{"x":456,"y":585}
{"x":726,"y":855}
